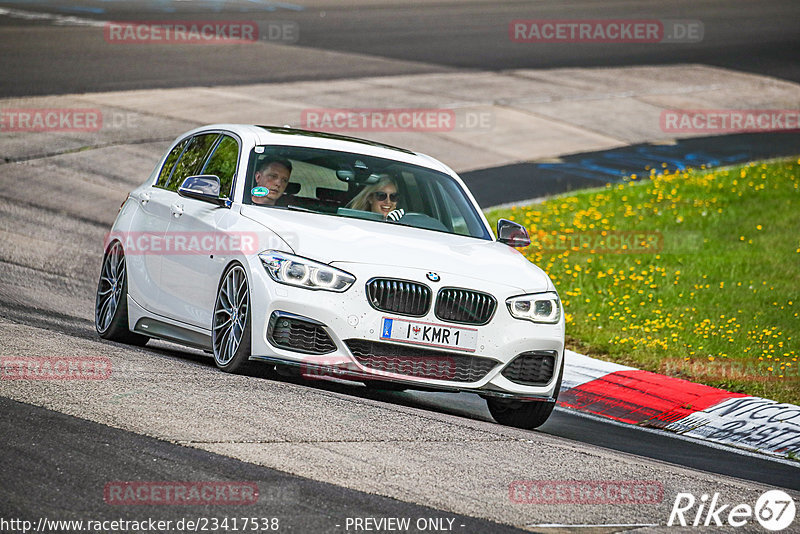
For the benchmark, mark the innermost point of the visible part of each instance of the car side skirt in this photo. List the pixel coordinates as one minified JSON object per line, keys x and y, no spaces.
{"x":142,"y":322}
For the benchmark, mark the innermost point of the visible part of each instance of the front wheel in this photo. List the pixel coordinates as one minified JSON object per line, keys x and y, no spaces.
{"x":529,"y":415}
{"x":524,"y":414}
{"x":231,"y":331}
{"x":111,"y":300}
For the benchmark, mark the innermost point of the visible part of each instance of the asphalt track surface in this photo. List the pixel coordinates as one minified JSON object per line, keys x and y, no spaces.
{"x":344,"y":39}
{"x":54,"y":463}
{"x":517,"y":182}
{"x":439,"y":450}
{"x":91,"y":455}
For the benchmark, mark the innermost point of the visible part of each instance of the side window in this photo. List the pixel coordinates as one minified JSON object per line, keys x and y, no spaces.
{"x":223,"y":164}
{"x":193,"y":157}
{"x":169,"y":163}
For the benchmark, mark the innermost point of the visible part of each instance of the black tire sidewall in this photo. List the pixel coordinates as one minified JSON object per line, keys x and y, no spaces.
{"x":118,"y":329}
{"x":528,"y":415}
{"x":241,"y":358}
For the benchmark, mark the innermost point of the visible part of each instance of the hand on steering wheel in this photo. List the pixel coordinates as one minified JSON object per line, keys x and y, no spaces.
{"x":395,"y":215}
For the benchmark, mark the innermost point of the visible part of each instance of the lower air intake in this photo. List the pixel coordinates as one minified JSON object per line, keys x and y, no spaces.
{"x":419,"y":363}
{"x":292,"y":333}
{"x":531,"y":368}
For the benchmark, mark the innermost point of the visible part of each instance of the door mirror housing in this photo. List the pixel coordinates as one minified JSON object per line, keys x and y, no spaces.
{"x":205,"y":187}
{"x":512,"y":234}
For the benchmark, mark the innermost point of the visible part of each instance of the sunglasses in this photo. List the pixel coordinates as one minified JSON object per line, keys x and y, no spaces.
{"x":381,"y":196}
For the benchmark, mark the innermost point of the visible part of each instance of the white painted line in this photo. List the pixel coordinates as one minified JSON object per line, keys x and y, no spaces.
{"x":598,"y":525}
{"x":58,"y":20}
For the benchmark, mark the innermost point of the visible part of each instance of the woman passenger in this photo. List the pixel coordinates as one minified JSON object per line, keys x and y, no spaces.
{"x":380,"y":197}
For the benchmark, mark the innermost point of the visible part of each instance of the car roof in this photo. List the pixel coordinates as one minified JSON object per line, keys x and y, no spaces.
{"x":285,"y":135}
{"x":286,"y":130}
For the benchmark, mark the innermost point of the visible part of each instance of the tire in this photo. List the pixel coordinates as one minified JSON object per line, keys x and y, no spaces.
{"x":231,"y":322}
{"x":522,"y":414}
{"x":111,"y":300}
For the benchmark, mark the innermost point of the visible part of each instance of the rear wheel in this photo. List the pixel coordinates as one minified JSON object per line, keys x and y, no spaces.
{"x":111,"y":300}
{"x":524,"y":414}
{"x":231,"y":330}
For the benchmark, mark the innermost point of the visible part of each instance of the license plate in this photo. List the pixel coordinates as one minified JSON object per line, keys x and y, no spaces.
{"x":429,"y":334}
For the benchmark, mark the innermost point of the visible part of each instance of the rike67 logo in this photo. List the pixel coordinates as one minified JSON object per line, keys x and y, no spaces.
{"x":774,"y":510}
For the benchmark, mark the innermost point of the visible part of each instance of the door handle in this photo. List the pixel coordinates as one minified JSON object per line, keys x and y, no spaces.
{"x":177,"y":210}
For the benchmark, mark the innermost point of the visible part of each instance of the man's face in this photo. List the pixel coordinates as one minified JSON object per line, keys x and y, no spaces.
{"x":274,"y":177}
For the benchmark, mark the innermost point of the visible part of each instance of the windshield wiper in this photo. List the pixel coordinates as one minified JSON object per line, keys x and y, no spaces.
{"x":292,"y":207}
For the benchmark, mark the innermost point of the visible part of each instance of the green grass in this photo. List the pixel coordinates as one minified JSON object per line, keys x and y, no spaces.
{"x":703,"y":285}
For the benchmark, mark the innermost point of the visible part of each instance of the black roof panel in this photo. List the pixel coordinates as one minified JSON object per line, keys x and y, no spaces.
{"x":327,"y":135}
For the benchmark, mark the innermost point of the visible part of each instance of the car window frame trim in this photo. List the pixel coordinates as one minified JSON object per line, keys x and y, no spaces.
{"x":230,"y":133}
{"x":238,"y":158}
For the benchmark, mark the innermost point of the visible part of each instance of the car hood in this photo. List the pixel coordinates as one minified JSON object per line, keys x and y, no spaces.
{"x":331,"y":239}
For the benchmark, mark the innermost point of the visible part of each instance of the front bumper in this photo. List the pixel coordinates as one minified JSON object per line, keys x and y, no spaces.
{"x":353,"y":327}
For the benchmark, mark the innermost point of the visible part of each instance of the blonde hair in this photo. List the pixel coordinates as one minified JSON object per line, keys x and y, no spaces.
{"x":361,"y":200}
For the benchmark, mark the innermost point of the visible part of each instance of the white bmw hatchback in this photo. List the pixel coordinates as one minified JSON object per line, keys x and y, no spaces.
{"x":335,"y":256}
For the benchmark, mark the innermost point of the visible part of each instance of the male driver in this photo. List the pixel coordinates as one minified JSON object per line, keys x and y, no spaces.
{"x":272,"y":173}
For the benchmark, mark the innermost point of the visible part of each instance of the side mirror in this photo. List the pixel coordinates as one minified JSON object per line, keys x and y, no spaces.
{"x":512,"y":234}
{"x":205,"y":187}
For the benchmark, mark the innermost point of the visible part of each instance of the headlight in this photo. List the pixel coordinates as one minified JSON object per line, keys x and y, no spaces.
{"x":539,"y":307}
{"x":301,"y":272}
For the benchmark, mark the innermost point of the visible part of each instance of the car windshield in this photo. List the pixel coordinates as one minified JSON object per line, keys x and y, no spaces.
{"x":344,"y":184}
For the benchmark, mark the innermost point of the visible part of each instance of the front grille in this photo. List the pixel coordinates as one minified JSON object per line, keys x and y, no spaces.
{"x":531,"y":368}
{"x":419,"y":363}
{"x":464,"y":306}
{"x":292,"y":333}
{"x":399,"y":296}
